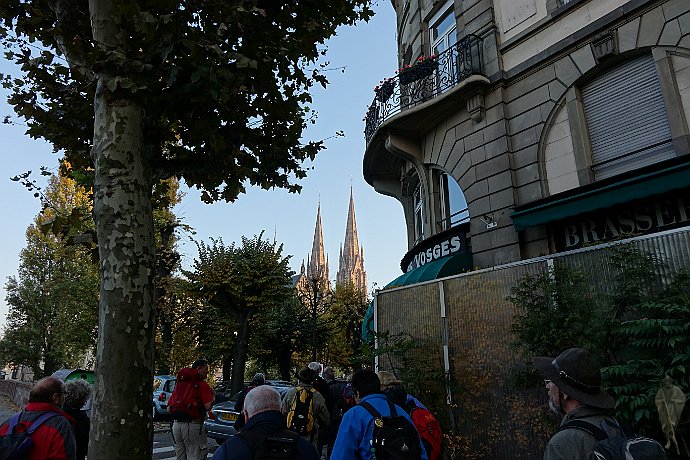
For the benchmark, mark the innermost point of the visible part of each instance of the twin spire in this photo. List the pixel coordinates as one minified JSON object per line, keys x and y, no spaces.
{"x":351,"y":263}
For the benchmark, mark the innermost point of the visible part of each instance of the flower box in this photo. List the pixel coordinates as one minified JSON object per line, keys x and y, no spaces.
{"x":385,"y":91}
{"x":421,"y":69}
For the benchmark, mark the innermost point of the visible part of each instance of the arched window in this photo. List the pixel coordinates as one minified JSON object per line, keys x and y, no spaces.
{"x":453,"y":204}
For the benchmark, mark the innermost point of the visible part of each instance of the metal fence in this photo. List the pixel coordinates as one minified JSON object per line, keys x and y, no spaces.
{"x":464,"y":325}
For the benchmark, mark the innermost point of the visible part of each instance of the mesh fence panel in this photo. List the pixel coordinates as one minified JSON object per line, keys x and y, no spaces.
{"x":493,"y":415}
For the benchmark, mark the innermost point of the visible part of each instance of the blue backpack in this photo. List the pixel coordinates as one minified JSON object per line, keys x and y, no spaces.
{"x":16,"y":445}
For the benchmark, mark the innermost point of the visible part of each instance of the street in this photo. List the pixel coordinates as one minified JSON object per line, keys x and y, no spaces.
{"x":163,"y":446}
{"x":162,"y":440}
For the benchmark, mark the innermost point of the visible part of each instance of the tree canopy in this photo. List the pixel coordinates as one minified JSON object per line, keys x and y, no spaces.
{"x":237,"y":282}
{"x":212,"y":92}
{"x":53,"y":302}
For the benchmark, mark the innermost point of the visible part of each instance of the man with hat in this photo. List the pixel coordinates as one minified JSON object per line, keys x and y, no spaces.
{"x":317,"y":404}
{"x":573,"y":380}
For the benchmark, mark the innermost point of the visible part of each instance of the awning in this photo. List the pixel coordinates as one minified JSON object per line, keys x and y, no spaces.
{"x":446,"y":266}
{"x":601,"y":197}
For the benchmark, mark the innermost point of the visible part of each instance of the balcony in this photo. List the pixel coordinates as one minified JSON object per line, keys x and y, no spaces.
{"x":423,"y":81}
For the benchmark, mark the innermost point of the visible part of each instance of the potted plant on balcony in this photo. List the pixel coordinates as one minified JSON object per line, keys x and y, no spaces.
{"x":385,"y":89}
{"x":423,"y":67}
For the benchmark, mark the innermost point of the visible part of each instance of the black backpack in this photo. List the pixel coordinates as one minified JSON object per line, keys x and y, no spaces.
{"x":394,"y":437}
{"x":627,"y":447}
{"x":15,"y":446}
{"x":278,"y":446}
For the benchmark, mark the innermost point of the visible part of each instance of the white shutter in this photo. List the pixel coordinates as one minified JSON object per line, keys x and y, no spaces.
{"x":626,"y":119}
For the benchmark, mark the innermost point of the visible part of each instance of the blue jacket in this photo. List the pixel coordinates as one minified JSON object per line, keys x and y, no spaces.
{"x":269,"y":422}
{"x":357,"y":428}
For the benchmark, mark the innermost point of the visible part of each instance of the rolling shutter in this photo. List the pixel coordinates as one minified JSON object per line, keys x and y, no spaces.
{"x":626,"y":119}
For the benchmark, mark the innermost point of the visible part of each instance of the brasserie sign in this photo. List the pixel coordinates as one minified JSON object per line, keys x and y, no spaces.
{"x":636,"y":218}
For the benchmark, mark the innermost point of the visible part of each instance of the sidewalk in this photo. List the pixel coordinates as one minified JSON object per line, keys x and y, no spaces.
{"x":7,"y":408}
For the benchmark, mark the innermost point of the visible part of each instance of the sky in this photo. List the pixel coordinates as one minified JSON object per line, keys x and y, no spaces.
{"x":367,"y":52}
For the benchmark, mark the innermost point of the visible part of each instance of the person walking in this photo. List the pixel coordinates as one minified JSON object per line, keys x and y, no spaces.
{"x":356,"y":434}
{"x":336,"y":406}
{"x":305,"y":398}
{"x":77,"y":392}
{"x":53,"y":439}
{"x":191,"y":392}
{"x":264,"y":429}
{"x":258,"y":380}
{"x":573,"y":381}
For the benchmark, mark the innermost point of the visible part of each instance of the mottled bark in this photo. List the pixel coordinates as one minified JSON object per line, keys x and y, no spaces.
{"x":239,"y":354}
{"x":121,"y":427}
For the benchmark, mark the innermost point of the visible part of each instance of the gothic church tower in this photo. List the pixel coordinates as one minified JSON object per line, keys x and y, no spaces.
{"x":351,"y":264}
{"x":317,"y":266}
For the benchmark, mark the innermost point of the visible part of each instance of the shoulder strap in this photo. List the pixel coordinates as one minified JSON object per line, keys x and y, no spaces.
{"x":44,"y":417}
{"x":40,"y":420}
{"x":254,"y":439}
{"x":14,"y":421}
{"x":391,"y":406}
{"x":374,"y":413}
{"x":590,"y":428}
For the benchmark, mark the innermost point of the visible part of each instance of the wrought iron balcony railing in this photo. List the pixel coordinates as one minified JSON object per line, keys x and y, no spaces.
{"x":426,"y":79}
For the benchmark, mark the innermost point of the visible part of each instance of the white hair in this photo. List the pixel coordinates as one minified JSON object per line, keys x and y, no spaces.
{"x":316,"y":367}
{"x":260,"y":399}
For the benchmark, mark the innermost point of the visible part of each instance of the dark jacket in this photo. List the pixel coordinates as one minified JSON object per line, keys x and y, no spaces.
{"x":82,"y":425}
{"x":54,"y":439}
{"x":572,"y":443}
{"x":268,"y":423}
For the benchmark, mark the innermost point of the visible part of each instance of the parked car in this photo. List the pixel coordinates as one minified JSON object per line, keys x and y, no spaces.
{"x":220,"y":424}
{"x":163,"y":386}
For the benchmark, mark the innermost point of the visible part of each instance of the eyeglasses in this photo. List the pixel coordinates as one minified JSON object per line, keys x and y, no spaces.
{"x":547,"y":381}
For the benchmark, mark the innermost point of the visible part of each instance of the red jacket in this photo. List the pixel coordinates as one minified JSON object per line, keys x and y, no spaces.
{"x":54,"y":440}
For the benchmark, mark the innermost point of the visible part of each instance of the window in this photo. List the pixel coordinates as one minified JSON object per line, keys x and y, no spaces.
{"x":418,"y":213}
{"x":443,"y":33}
{"x":626,"y":119}
{"x":443,"y":37}
{"x":453,"y":204}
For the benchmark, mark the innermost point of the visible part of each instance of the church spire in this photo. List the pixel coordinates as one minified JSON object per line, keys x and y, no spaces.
{"x":318,"y":263}
{"x":351,"y":264}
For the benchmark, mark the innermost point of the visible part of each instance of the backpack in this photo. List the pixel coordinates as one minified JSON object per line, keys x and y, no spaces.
{"x":278,"y":446}
{"x":16,"y":445}
{"x":628,"y":447}
{"x":394,"y":437}
{"x":428,"y":428}
{"x":300,"y":418}
{"x":185,"y":401}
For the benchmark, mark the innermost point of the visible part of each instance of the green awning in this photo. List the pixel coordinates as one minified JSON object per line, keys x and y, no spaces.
{"x":446,"y":266}
{"x":641,"y":186}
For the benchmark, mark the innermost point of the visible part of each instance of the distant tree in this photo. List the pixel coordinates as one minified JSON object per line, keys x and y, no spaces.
{"x":53,"y":302}
{"x":240,"y":281}
{"x":280,"y":333}
{"x":346,"y":314}
{"x":216,"y":93}
{"x":316,"y":297}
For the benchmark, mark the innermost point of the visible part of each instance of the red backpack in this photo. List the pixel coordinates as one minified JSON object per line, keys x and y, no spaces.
{"x":185,"y":401}
{"x":428,"y":428}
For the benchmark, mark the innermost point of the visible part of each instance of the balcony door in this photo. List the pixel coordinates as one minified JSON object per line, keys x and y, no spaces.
{"x":443,"y":37}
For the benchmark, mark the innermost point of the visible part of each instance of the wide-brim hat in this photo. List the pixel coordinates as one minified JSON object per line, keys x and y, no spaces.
{"x":306,"y":375}
{"x":576,"y":373}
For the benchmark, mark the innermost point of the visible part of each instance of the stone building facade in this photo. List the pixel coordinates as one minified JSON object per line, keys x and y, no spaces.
{"x":564,"y":123}
{"x":351,"y":259}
